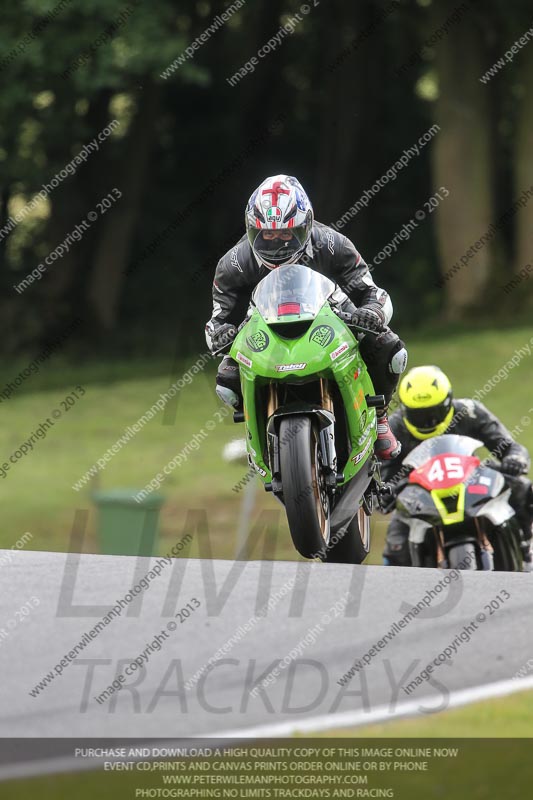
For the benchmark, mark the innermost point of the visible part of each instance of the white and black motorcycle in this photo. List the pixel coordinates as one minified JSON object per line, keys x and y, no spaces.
{"x":457,"y":508}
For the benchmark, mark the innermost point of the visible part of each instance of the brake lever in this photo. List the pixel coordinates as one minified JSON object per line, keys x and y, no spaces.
{"x":227,"y":345}
{"x":222,"y":352}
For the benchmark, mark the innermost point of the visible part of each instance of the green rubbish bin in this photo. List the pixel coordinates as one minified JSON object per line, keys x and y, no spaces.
{"x":127,"y":527}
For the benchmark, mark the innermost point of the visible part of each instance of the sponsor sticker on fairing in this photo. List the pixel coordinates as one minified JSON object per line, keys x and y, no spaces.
{"x":244,"y":360}
{"x":339,"y":351}
{"x":359,"y":457}
{"x":322,"y":335}
{"x":364,"y":436}
{"x":258,"y":341}
{"x":290,"y":367}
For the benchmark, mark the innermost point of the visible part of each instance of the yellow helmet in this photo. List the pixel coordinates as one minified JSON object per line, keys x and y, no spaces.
{"x":426,"y":397}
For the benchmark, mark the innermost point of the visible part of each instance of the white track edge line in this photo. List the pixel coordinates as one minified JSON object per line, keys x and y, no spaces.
{"x":343,"y":719}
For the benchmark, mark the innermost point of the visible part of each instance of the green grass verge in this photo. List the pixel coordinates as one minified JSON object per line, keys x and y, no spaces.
{"x":506,"y":717}
{"x":482,"y":771}
{"x":37,"y":493}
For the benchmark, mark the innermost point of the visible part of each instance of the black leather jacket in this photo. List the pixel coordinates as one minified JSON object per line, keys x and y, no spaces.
{"x":470,"y":418}
{"x":328,"y":252}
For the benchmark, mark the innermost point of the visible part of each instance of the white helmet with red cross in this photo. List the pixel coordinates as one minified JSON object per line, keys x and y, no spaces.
{"x":279,"y":220}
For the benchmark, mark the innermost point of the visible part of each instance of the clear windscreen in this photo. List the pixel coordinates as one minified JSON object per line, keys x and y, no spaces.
{"x":447,"y":443}
{"x":291,"y":291}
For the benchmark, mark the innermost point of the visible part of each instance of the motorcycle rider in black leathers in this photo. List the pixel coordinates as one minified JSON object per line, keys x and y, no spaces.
{"x":428,"y":409}
{"x":280,"y":230}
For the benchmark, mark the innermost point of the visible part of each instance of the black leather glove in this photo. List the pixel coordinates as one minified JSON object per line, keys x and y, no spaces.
{"x":514,"y":465}
{"x":223,"y":336}
{"x":370,"y":317}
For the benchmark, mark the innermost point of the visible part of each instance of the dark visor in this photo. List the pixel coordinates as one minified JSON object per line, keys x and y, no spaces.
{"x":428,"y":418}
{"x":278,"y":250}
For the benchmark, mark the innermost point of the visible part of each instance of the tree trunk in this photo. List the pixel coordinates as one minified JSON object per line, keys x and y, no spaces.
{"x":5,"y":196}
{"x":257,"y":93}
{"x":113,"y":247}
{"x":63,"y":294}
{"x":462,"y":163}
{"x":523,"y":173}
{"x":342,"y":110}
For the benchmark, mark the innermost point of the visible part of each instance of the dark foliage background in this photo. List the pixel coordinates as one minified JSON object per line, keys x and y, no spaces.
{"x":336,"y":104}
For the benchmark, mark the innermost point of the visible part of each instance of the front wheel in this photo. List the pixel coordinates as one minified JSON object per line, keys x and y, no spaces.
{"x":463,"y":557}
{"x":305,"y":492}
{"x":506,"y":543}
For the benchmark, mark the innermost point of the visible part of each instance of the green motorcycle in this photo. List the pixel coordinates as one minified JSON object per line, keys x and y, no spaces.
{"x":309,"y":410}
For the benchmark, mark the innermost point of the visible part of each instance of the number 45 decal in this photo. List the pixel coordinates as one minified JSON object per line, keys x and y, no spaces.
{"x":444,"y":471}
{"x":452,"y":469}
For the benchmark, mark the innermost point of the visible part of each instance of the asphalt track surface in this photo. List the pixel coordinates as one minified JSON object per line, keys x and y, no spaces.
{"x":69,"y":587}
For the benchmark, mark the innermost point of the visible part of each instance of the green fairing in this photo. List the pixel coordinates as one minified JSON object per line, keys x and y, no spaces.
{"x":347,"y":369}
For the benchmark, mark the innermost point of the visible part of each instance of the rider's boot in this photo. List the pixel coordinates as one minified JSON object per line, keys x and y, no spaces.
{"x":229,"y":397}
{"x":228,"y":385}
{"x":386,"y":445}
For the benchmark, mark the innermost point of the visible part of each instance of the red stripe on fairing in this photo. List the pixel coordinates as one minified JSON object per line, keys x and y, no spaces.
{"x":273,"y":226}
{"x":257,"y":223}
{"x":288,"y":308}
{"x":476,"y":488}
{"x":291,"y":223}
{"x":359,"y":259}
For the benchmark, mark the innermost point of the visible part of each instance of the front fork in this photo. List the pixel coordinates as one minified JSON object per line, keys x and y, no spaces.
{"x":327,"y":451}
{"x":486,"y":551}
{"x":327,"y":438}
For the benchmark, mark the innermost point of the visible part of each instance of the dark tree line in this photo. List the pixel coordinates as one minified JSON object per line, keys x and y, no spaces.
{"x":336,"y":103}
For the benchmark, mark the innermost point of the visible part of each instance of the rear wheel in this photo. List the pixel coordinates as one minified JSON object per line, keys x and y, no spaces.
{"x":304,"y":488}
{"x":354,"y":546}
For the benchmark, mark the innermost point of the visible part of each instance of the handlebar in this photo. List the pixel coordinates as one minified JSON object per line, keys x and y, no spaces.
{"x":343,"y":315}
{"x":229,"y":335}
{"x":347,"y":319}
{"x":493,"y":465}
{"x":497,"y":467}
{"x":389,"y":492}
{"x":394,"y":487}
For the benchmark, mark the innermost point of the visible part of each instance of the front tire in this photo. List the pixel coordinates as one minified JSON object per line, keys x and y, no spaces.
{"x":304,"y":490}
{"x":507,"y":554}
{"x":463,"y":557}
